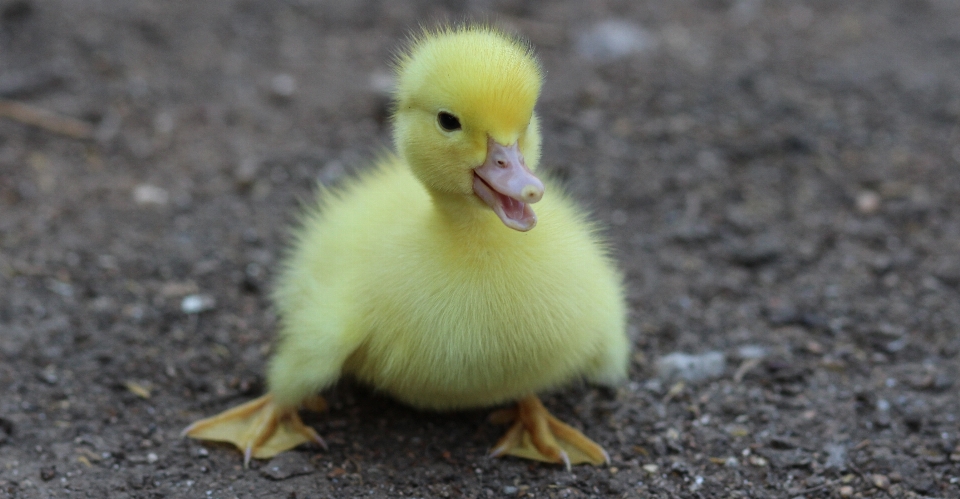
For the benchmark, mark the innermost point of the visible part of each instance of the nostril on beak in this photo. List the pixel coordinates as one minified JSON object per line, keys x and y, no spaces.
{"x":531,"y":194}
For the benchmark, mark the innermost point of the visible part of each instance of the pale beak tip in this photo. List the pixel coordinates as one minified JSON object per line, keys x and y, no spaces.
{"x":531,"y":194}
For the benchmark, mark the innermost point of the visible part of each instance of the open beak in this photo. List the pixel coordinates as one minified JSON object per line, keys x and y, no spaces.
{"x":505,"y":183}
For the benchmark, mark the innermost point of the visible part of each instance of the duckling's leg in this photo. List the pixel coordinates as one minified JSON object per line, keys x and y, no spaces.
{"x":536,"y":434}
{"x":259,"y":428}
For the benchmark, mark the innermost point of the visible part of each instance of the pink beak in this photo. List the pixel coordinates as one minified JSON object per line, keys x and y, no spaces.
{"x":505,"y":183}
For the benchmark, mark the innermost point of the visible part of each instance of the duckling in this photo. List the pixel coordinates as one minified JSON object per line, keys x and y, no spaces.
{"x":432,"y":279}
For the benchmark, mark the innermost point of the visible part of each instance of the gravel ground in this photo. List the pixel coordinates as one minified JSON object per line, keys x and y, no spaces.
{"x":781,"y":182}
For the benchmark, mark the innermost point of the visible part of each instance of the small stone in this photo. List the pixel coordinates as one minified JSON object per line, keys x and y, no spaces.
{"x":146,"y":194}
{"x":164,"y":123}
{"x":6,"y":429}
{"x":794,"y":458}
{"x":756,"y":254}
{"x":836,"y":456}
{"x":509,"y":490}
{"x":738,"y":431}
{"x":868,"y":202}
{"x":697,"y":483}
{"x":612,"y":39}
{"x":883,"y":405}
{"x":882,"y":420}
{"x":138,"y":479}
{"x":845,"y":491}
{"x":245,"y":173}
{"x":880,"y":481}
{"x":49,"y":375}
{"x":194,"y":304}
{"x":692,"y":368}
{"x":288,"y":465}
{"x":283,"y":86}
{"x":752,"y":352}
{"x":48,"y":473}
{"x":152,"y":457}
{"x":783,"y":443}
{"x":651,"y":468}
{"x":814,"y":347}
{"x":942,"y":382}
{"x":61,"y":288}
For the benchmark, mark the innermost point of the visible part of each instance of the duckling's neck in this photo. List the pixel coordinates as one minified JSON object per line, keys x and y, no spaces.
{"x":470,"y":221}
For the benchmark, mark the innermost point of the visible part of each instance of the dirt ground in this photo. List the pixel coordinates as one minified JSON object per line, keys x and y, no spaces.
{"x":781,"y":183}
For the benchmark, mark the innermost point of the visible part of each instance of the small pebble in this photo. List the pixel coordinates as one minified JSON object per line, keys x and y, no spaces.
{"x":845,"y":491}
{"x":61,"y":288}
{"x":152,"y":458}
{"x":283,"y":86}
{"x":697,"y":483}
{"x":612,"y":39}
{"x":756,"y":254}
{"x":814,"y":348}
{"x":751,"y":352}
{"x":48,"y":473}
{"x":164,"y":123}
{"x":880,"y":481}
{"x":194,"y":304}
{"x":868,"y":202}
{"x":289,"y":465}
{"x":509,"y":490}
{"x":651,"y":468}
{"x":246,"y":172}
{"x":49,"y":374}
{"x":691,"y":368}
{"x":146,"y":194}
{"x":836,"y":456}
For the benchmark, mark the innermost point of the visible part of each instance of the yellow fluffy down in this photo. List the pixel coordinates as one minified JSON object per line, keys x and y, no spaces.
{"x":378,"y":287}
{"x":443,"y":67}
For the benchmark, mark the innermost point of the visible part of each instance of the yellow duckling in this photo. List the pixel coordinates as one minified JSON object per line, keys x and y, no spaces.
{"x":432,"y":279}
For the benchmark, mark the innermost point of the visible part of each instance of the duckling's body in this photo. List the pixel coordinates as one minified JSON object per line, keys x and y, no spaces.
{"x":440,"y":313}
{"x":426,"y":278}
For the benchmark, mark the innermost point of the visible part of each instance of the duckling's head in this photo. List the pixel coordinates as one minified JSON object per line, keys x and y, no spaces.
{"x":464,"y":119}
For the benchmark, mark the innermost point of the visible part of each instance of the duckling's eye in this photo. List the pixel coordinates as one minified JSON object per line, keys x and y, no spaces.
{"x":448,"y":121}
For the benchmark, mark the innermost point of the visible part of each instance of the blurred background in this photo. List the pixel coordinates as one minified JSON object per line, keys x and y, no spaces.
{"x":779,"y":182}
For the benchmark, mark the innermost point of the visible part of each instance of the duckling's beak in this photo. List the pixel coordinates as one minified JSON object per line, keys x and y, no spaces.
{"x":505,"y":183}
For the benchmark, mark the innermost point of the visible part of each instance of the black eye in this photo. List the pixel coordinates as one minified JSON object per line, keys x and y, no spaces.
{"x":448,"y":121}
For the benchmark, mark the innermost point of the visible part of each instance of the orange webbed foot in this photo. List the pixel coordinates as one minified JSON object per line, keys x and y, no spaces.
{"x":536,"y":434}
{"x":259,"y":428}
